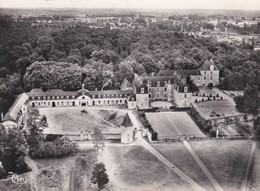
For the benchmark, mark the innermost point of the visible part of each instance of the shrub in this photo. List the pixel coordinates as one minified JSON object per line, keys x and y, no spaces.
{"x":213,"y":132}
{"x":210,"y":85}
{"x":52,"y":137}
{"x":58,"y":148}
{"x":112,"y":116}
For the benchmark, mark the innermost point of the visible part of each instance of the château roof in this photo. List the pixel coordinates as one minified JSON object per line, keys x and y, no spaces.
{"x":13,"y":112}
{"x":206,"y":65}
{"x":126,"y":84}
{"x":165,"y":73}
{"x":127,"y":121}
{"x":188,"y":72}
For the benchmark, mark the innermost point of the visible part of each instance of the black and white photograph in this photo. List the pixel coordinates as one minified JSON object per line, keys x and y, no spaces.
{"x":129,"y":95}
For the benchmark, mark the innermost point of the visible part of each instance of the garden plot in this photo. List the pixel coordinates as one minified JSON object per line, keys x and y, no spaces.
{"x":77,"y":119}
{"x":171,"y":125}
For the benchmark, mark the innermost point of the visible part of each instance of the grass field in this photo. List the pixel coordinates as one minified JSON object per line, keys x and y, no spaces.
{"x":72,"y":120}
{"x":132,"y":168}
{"x":173,"y":124}
{"x":179,"y":156}
{"x":226,"y":159}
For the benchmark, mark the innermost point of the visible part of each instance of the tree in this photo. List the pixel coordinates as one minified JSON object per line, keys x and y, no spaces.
{"x":99,"y":175}
{"x":250,"y":101}
{"x":98,"y":139}
{"x":257,"y":126}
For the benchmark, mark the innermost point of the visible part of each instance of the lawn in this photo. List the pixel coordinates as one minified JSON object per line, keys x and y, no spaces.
{"x":67,"y":174}
{"x":226,"y":159}
{"x":73,"y":120}
{"x":170,"y":125}
{"x":132,"y":168}
{"x":179,"y":156}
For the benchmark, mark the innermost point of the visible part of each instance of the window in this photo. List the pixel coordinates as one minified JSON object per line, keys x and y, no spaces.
{"x":39,"y":97}
{"x":211,"y":77}
{"x":61,"y":97}
{"x":185,"y":89}
{"x":142,"y":90}
{"x":104,"y":96}
{"x":165,"y":83}
{"x":158,"y":83}
{"x":185,"y":95}
{"x":149,"y":83}
{"x":158,"y":95}
{"x":149,"y":90}
{"x":112,"y":96}
{"x":205,"y":72}
{"x":165,"y":89}
{"x":73,"y":97}
{"x":99,"y":96}
{"x":108,"y":96}
{"x":58,"y":97}
{"x":67,"y":97}
{"x":93,"y":96}
{"x":158,"y":89}
{"x":211,"y":72}
{"x":204,"y":77}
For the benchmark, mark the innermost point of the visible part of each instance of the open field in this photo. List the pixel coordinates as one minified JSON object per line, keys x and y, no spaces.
{"x":132,"y":168}
{"x":226,"y":159}
{"x":67,"y":174}
{"x":173,"y":124}
{"x":255,"y":186}
{"x":72,"y":120}
{"x":179,"y":156}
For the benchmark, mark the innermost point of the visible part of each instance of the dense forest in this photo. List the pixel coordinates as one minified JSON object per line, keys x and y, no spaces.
{"x":32,"y":57}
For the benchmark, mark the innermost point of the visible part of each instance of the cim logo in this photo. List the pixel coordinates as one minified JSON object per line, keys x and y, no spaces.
{"x":16,"y":179}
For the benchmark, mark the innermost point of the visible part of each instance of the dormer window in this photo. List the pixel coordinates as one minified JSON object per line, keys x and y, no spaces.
{"x":165,"y":83}
{"x":158,"y":83}
{"x":142,"y":90}
{"x":185,"y":89}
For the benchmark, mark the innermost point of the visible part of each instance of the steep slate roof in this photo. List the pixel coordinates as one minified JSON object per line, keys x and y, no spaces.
{"x":59,"y":92}
{"x":110,"y":92}
{"x":188,"y":72}
{"x":165,"y":73}
{"x":12,"y":114}
{"x":126,"y":84}
{"x":127,"y":121}
{"x":51,"y":92}
{"x":154,"y":79}
{"x":206,"y":65}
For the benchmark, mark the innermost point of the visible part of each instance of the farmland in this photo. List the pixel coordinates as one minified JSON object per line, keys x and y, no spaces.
{"x":173,"y":124}
{"x":227,"y":160}
{"x":76,"y":120}
{"x":134,"y":168}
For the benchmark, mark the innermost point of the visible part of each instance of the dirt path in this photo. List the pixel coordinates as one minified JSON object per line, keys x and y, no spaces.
{"x":247,"y":178}
{"x":33,"y":174}
{"x":205,"y":170}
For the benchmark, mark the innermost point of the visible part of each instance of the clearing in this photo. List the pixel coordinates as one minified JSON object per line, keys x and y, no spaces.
{"x":133,"y":168}
{"x":82,"y":119}
{"x":179,"y":156}
{"x":173,"y":125}
{"x":226,"y":159}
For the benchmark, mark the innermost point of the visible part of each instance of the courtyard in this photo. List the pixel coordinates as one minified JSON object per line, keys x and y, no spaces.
{"x":74,"y":120}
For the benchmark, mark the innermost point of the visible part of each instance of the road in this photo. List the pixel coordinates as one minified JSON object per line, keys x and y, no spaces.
{"x":247,"y":179}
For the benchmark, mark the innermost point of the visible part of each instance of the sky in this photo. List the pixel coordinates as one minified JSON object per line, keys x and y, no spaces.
{"x":142,"y":4}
